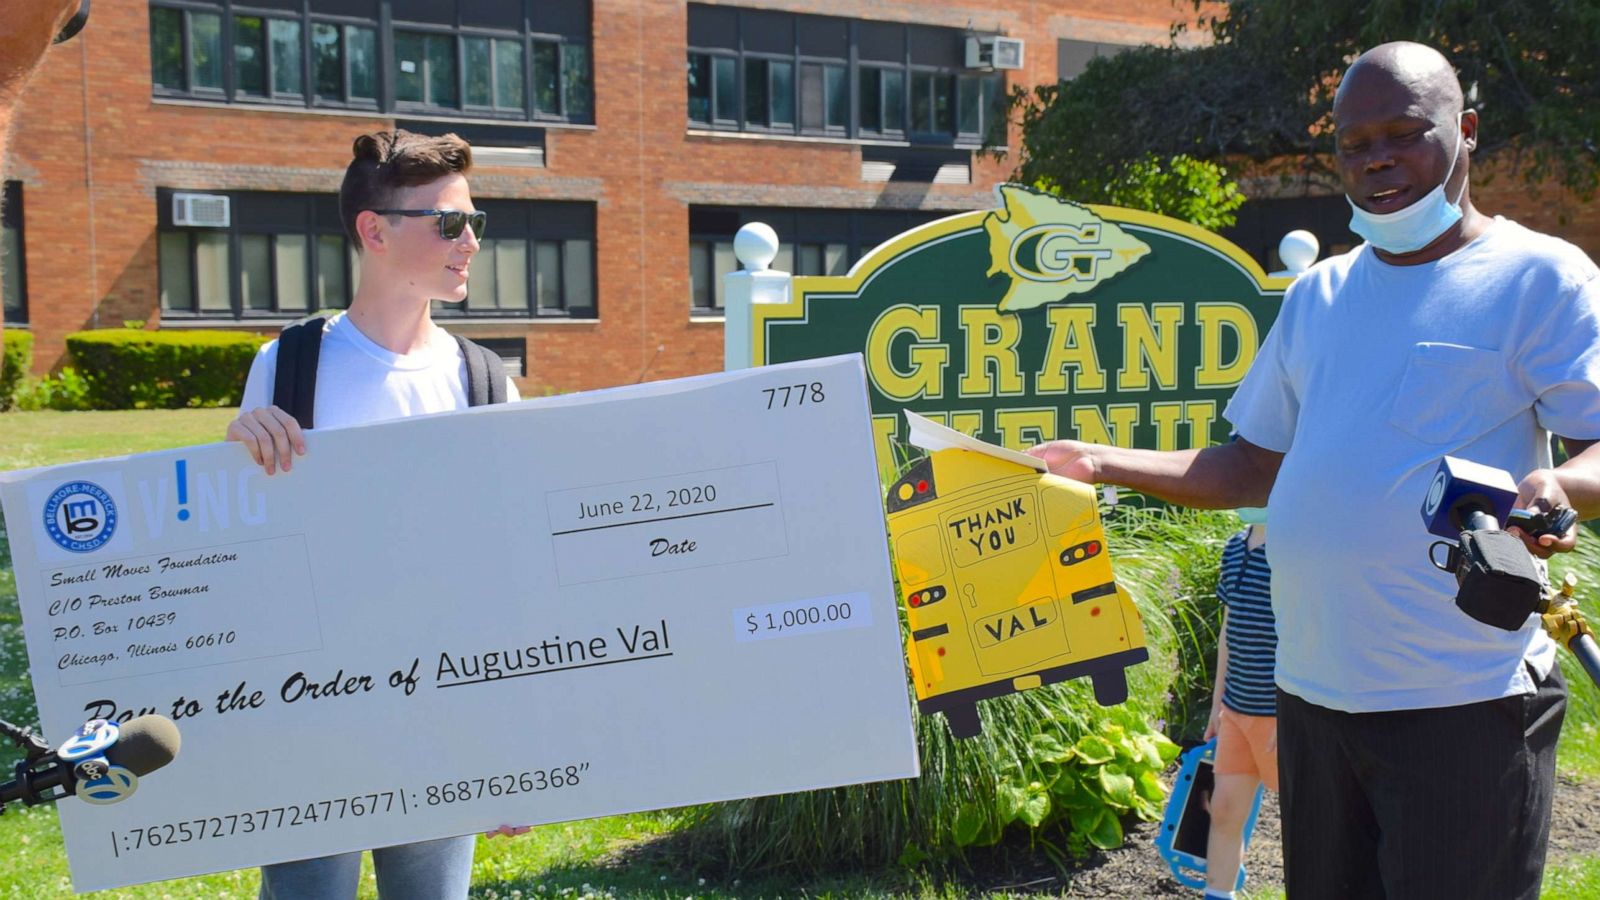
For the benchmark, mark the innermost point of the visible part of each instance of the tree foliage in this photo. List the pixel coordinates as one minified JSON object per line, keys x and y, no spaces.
{"x":1261,"y":89}
{"x":1196,"y":191}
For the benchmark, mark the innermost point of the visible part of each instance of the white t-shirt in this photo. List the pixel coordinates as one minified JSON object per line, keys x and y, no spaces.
{"x":359,"y":382}
{"x":1371,"y":373}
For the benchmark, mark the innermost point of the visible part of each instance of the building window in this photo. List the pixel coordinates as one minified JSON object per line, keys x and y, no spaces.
{"x":814,"y":242}
{"x":13,"y":265}
{"x":763,"y":71}
{"x":494,"y":73}
{"x":425,"y":69}
{"x":828,"y":258}
{"x":769,"y":93}
{"x":537,"y":259}
{"x":280,"y":256}
{"x":1262,"y":224}
{"x":713,"y":89}
{"x":513,"y":352}
{"x":268,"y":57}
{"x":480,"y":56}
{"x":981,"y":101}
{"x":824,"y":98}
{"x":710,"y":262}
{"x":883,"y":101}
{"x":577,"y":93}
{"x":166,"y":49}
{"x":205,"y":51}
{"x":286,"y":255}
{"x":249,"y":55}
{"x":345,"y":63}
{"x":1072,"y":57}
{"x":933,"y":103}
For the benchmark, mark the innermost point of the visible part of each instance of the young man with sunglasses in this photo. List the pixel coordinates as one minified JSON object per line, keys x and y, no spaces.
{"x":405,"y":205}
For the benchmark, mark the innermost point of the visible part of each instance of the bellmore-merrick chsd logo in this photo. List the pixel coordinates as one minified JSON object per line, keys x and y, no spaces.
{"x":80,"y":516}
{"x":1037,"y":319}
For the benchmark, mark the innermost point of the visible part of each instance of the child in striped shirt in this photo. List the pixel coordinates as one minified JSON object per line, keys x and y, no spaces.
{"x":1244,"y":707}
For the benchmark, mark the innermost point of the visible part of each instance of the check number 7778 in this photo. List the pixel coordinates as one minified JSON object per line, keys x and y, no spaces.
{"x":794,"y":395}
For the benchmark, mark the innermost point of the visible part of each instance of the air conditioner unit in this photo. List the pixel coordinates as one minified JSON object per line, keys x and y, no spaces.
{"x":991,"y":51}
{"x":200,"y":210}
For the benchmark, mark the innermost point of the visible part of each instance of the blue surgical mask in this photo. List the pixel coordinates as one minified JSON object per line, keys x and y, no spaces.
{"x":1252,"y":515}
{"x":1418,"y":225}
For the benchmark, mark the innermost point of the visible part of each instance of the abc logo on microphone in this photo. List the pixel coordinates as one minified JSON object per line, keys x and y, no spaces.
{"x":99,"y":781}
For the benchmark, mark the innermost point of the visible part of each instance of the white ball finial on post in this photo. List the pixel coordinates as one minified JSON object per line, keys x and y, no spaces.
{"x":1298,"y":250}
{"x":755,"y":246}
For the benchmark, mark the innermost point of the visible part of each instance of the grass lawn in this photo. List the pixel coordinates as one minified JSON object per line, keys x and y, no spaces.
{"x":52,"y":438}
{"x":560,"y":861}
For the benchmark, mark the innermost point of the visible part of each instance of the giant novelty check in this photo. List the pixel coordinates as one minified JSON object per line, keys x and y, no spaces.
{"x":626,"y":600}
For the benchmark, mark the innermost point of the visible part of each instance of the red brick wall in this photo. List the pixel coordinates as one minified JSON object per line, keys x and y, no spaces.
{"x":1545,"y":207}
{"x":89,"y":117}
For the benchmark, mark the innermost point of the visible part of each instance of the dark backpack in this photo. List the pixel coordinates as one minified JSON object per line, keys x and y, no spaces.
{"x":294,"y":390}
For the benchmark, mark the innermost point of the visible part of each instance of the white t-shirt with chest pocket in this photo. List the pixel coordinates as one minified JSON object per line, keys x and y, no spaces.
{"x":1371,"y":374}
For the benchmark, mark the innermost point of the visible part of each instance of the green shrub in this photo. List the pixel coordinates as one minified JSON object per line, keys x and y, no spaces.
{"x":127,"y":369}
{"x":66,"y":391}
{"x":1168,"y":558}
{"x":1051,"y":761}
{"x":1183,"y":187}
{"x":16,"y":358}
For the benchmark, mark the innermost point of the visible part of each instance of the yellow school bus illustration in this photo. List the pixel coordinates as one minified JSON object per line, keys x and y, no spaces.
{"x":1006,"y":580}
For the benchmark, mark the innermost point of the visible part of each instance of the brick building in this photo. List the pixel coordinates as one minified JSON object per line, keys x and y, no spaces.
{"x":177,"y":163}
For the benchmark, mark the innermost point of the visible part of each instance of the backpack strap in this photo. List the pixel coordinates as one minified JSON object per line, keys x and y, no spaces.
{"x":294,"y":387}
{"x":486,"y":374}
{"x":497,"y":374}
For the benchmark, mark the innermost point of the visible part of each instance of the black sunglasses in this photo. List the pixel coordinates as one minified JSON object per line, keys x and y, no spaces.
{"x":74,"y":24}
{"x":451,"y":221}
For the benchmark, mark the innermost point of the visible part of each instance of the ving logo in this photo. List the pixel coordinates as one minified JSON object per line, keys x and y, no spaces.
{"x":80,"y":516}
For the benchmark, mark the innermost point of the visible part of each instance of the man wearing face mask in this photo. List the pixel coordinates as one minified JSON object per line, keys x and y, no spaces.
{"x":1416,"y":745}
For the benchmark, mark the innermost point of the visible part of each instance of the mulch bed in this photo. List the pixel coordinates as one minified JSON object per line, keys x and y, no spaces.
{"x":1136,"y":870}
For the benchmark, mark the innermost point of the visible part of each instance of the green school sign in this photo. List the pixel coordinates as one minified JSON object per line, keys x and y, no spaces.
{"x":1040,"y":319}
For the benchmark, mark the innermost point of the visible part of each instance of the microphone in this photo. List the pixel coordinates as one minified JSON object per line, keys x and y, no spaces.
{"x":1497,"y":581}
{"x":1465,"y":495}
{"x":1469,"y":496}
{"x":101,"y":763}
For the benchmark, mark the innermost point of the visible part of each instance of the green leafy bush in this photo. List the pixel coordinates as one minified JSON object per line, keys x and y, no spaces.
{"x":1050,"y":762}
{"x":66,"y":391}
{"x":127,"y":369}
{"x":16,"y":358}
{"x":1107,"y":774}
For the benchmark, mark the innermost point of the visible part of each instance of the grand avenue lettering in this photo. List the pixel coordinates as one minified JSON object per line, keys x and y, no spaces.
{"x":990,"y":364}
{"x":1041,"y":319}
